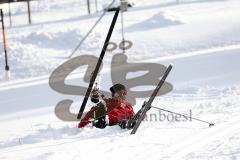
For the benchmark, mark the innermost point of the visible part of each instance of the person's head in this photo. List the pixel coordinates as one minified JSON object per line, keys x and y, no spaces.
{"x":119,"y":91}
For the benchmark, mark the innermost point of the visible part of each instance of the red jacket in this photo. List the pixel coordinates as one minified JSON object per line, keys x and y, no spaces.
{"x":116,"y":110}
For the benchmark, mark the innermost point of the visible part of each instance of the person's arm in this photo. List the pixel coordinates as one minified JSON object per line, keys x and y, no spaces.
{"x":86,"y":119}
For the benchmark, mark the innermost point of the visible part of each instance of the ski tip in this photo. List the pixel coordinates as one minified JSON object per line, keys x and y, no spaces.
{"x":171,"y":64}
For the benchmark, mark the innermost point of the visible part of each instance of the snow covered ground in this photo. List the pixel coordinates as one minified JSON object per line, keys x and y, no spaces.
{"x":200,"y":37}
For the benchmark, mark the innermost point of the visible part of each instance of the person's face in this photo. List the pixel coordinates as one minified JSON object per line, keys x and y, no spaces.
{"x":121,"y":94}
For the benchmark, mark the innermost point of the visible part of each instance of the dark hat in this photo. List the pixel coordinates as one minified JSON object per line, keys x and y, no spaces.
{"x":117,"y":87}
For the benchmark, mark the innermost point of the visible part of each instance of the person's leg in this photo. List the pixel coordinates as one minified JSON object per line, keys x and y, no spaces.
{"x":100,"y":116}
{"x":129,"y":123}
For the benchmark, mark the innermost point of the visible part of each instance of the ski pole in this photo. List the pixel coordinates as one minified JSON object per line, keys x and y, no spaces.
{"x":210,"y":124}
{"x":4,"y":42}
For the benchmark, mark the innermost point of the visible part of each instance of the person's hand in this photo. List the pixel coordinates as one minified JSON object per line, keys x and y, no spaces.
{"x":122,"y":124}
{"x":131,"y":123}
{"x":95,"y":93}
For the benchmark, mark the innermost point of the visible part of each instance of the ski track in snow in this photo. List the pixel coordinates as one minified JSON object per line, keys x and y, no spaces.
{"x":183,"y":148}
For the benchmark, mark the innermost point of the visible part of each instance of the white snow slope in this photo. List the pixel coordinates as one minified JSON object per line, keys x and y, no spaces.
{"x":200,"y":37}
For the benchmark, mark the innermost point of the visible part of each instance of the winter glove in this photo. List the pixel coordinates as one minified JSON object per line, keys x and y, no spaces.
{"x":100,"y":123}
{"x":122,"y":124}
{"x":130,"y":123}
{"x":95,"y":95}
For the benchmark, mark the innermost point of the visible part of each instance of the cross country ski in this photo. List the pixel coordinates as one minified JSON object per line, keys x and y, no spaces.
{"x":94,"y":75}
{"x":147,"y":105}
